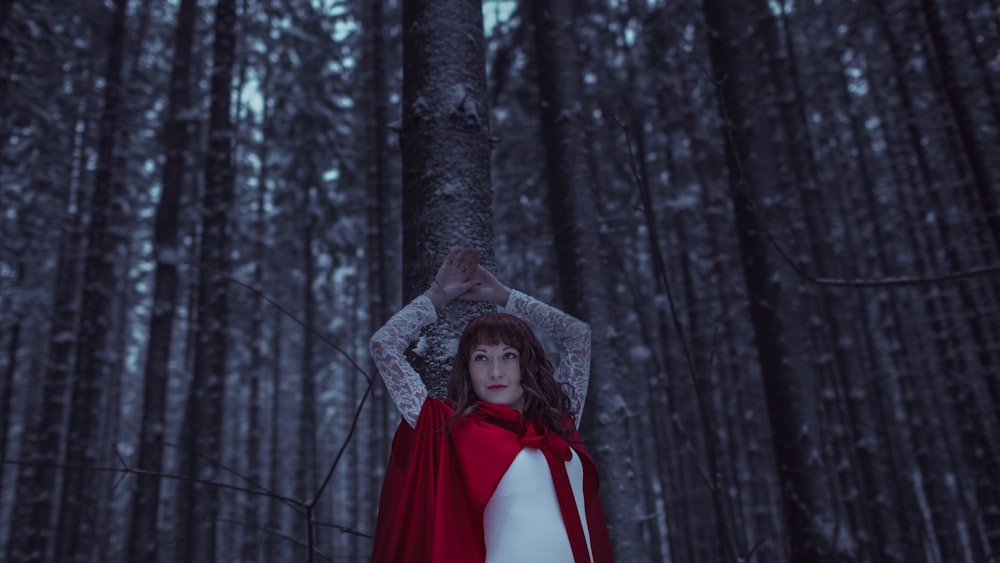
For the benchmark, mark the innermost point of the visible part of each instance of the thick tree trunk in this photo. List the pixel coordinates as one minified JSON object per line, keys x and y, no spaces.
{"x":582,"y":275}
{"x":201,"y":436}
{"x":142,"y":541}
{"x":78,"y":537}
{"x":447,"y":201}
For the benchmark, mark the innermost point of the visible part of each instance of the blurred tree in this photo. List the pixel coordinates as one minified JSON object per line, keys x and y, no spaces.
{"x":739,"y":85}
{"x":201,"y":435}
{"x":79,"y":536}
{"x":142,"y":540}
{"x":582,"y":283}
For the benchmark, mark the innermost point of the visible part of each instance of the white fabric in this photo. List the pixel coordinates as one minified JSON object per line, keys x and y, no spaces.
{"x":522,"y":521}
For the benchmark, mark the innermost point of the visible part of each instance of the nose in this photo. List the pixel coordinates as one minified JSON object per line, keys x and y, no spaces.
{"x":495,"y":370}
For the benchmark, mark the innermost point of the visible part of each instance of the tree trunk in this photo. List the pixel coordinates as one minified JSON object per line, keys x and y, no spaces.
{"x":252,"y":550}
{"x":78,"y":537}
{"x":32,"y":535}
{"x":965,"y":122}
{"x":10,"y":372}
{"x":807,"y":506}
{"x":274,"y":543}
{"x":581,"y":276}
{"x":201,"y":436}
{"x":305,"y":477}
{"x":447,"y":201}
{"x":376,"y":209}
{"x":142,"y":541}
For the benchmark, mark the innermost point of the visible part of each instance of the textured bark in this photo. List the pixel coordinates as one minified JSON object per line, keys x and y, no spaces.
{"x":142,"y":541}
{"x":582,"y":276}
{"x":78,"y":537}
{"x":446,"y":160}
{"x":201,"y":435}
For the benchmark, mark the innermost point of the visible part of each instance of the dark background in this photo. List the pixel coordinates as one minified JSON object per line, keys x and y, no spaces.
{"x":780,"y":218}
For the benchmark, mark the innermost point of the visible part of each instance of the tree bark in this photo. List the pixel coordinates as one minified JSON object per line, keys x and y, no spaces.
{"x":581,"y":276}
{"x":446,"y":160}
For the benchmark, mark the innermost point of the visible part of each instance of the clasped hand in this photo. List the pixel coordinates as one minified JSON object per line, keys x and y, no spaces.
{"x":461,"y":276}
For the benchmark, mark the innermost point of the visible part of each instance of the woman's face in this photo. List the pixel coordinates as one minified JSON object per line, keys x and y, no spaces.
{"x":495,"y":371}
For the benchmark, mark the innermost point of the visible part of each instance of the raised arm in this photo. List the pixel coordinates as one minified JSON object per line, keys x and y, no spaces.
{"x":573,"y":338}
{"x":388,"y":344}
{"x":571,"y":334}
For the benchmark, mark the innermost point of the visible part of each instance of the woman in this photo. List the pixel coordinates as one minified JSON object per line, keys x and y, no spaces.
{"x":497,"y":472}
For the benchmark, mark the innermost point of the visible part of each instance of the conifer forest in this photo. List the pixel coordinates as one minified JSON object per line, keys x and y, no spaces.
{"x":781,"y":219}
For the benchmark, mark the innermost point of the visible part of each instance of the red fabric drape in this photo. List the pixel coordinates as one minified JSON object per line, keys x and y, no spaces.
{"x":438,"y":483}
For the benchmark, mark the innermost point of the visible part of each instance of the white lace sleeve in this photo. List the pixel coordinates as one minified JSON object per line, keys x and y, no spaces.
{"x":573,"y":337}
{"x":388,"y":346}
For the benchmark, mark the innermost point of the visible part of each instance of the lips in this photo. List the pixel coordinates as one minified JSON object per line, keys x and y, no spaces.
{"x":497,"y":387}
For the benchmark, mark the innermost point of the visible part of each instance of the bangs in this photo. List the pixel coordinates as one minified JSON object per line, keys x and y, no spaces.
{"x":489,"y":330}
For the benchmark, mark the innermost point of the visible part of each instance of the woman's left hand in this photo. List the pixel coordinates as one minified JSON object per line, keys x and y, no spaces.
{"x":487,"y":288}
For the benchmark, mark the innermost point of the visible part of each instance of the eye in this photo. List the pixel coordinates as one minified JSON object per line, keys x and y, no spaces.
{"x":510,"y":356}
{"x":478,"y":357}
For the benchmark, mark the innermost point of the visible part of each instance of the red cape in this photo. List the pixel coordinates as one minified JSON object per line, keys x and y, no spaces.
{"x":439,"y":481}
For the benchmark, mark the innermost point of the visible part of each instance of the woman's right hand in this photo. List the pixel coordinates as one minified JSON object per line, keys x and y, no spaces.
{"x":454,"y":277}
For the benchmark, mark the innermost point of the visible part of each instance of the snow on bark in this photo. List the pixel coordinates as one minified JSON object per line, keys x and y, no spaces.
{"x":447,"y":201}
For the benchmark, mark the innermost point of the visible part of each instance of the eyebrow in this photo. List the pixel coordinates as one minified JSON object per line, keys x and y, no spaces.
{"x":480,"y":349}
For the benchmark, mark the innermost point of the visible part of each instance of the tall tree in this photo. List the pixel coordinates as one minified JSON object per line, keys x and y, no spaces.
{"x":983,"y":184}
{"x":376,"y":169}
{"x":581,"y":279}
{"x":737,"y":39}
{"x":446,"y":158}
{"x":142,"y":541}
{"x":201,"y":436}
{"x":78,"y":537}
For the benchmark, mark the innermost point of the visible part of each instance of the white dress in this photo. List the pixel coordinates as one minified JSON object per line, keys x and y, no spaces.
{"x":522,"y":521}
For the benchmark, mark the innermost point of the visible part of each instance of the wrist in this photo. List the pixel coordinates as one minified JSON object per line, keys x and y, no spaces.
{"x":437,"y":296}
{"x":502,"y":297}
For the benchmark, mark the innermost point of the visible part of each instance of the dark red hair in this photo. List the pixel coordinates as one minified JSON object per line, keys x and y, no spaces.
{"x":544,"y":398}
